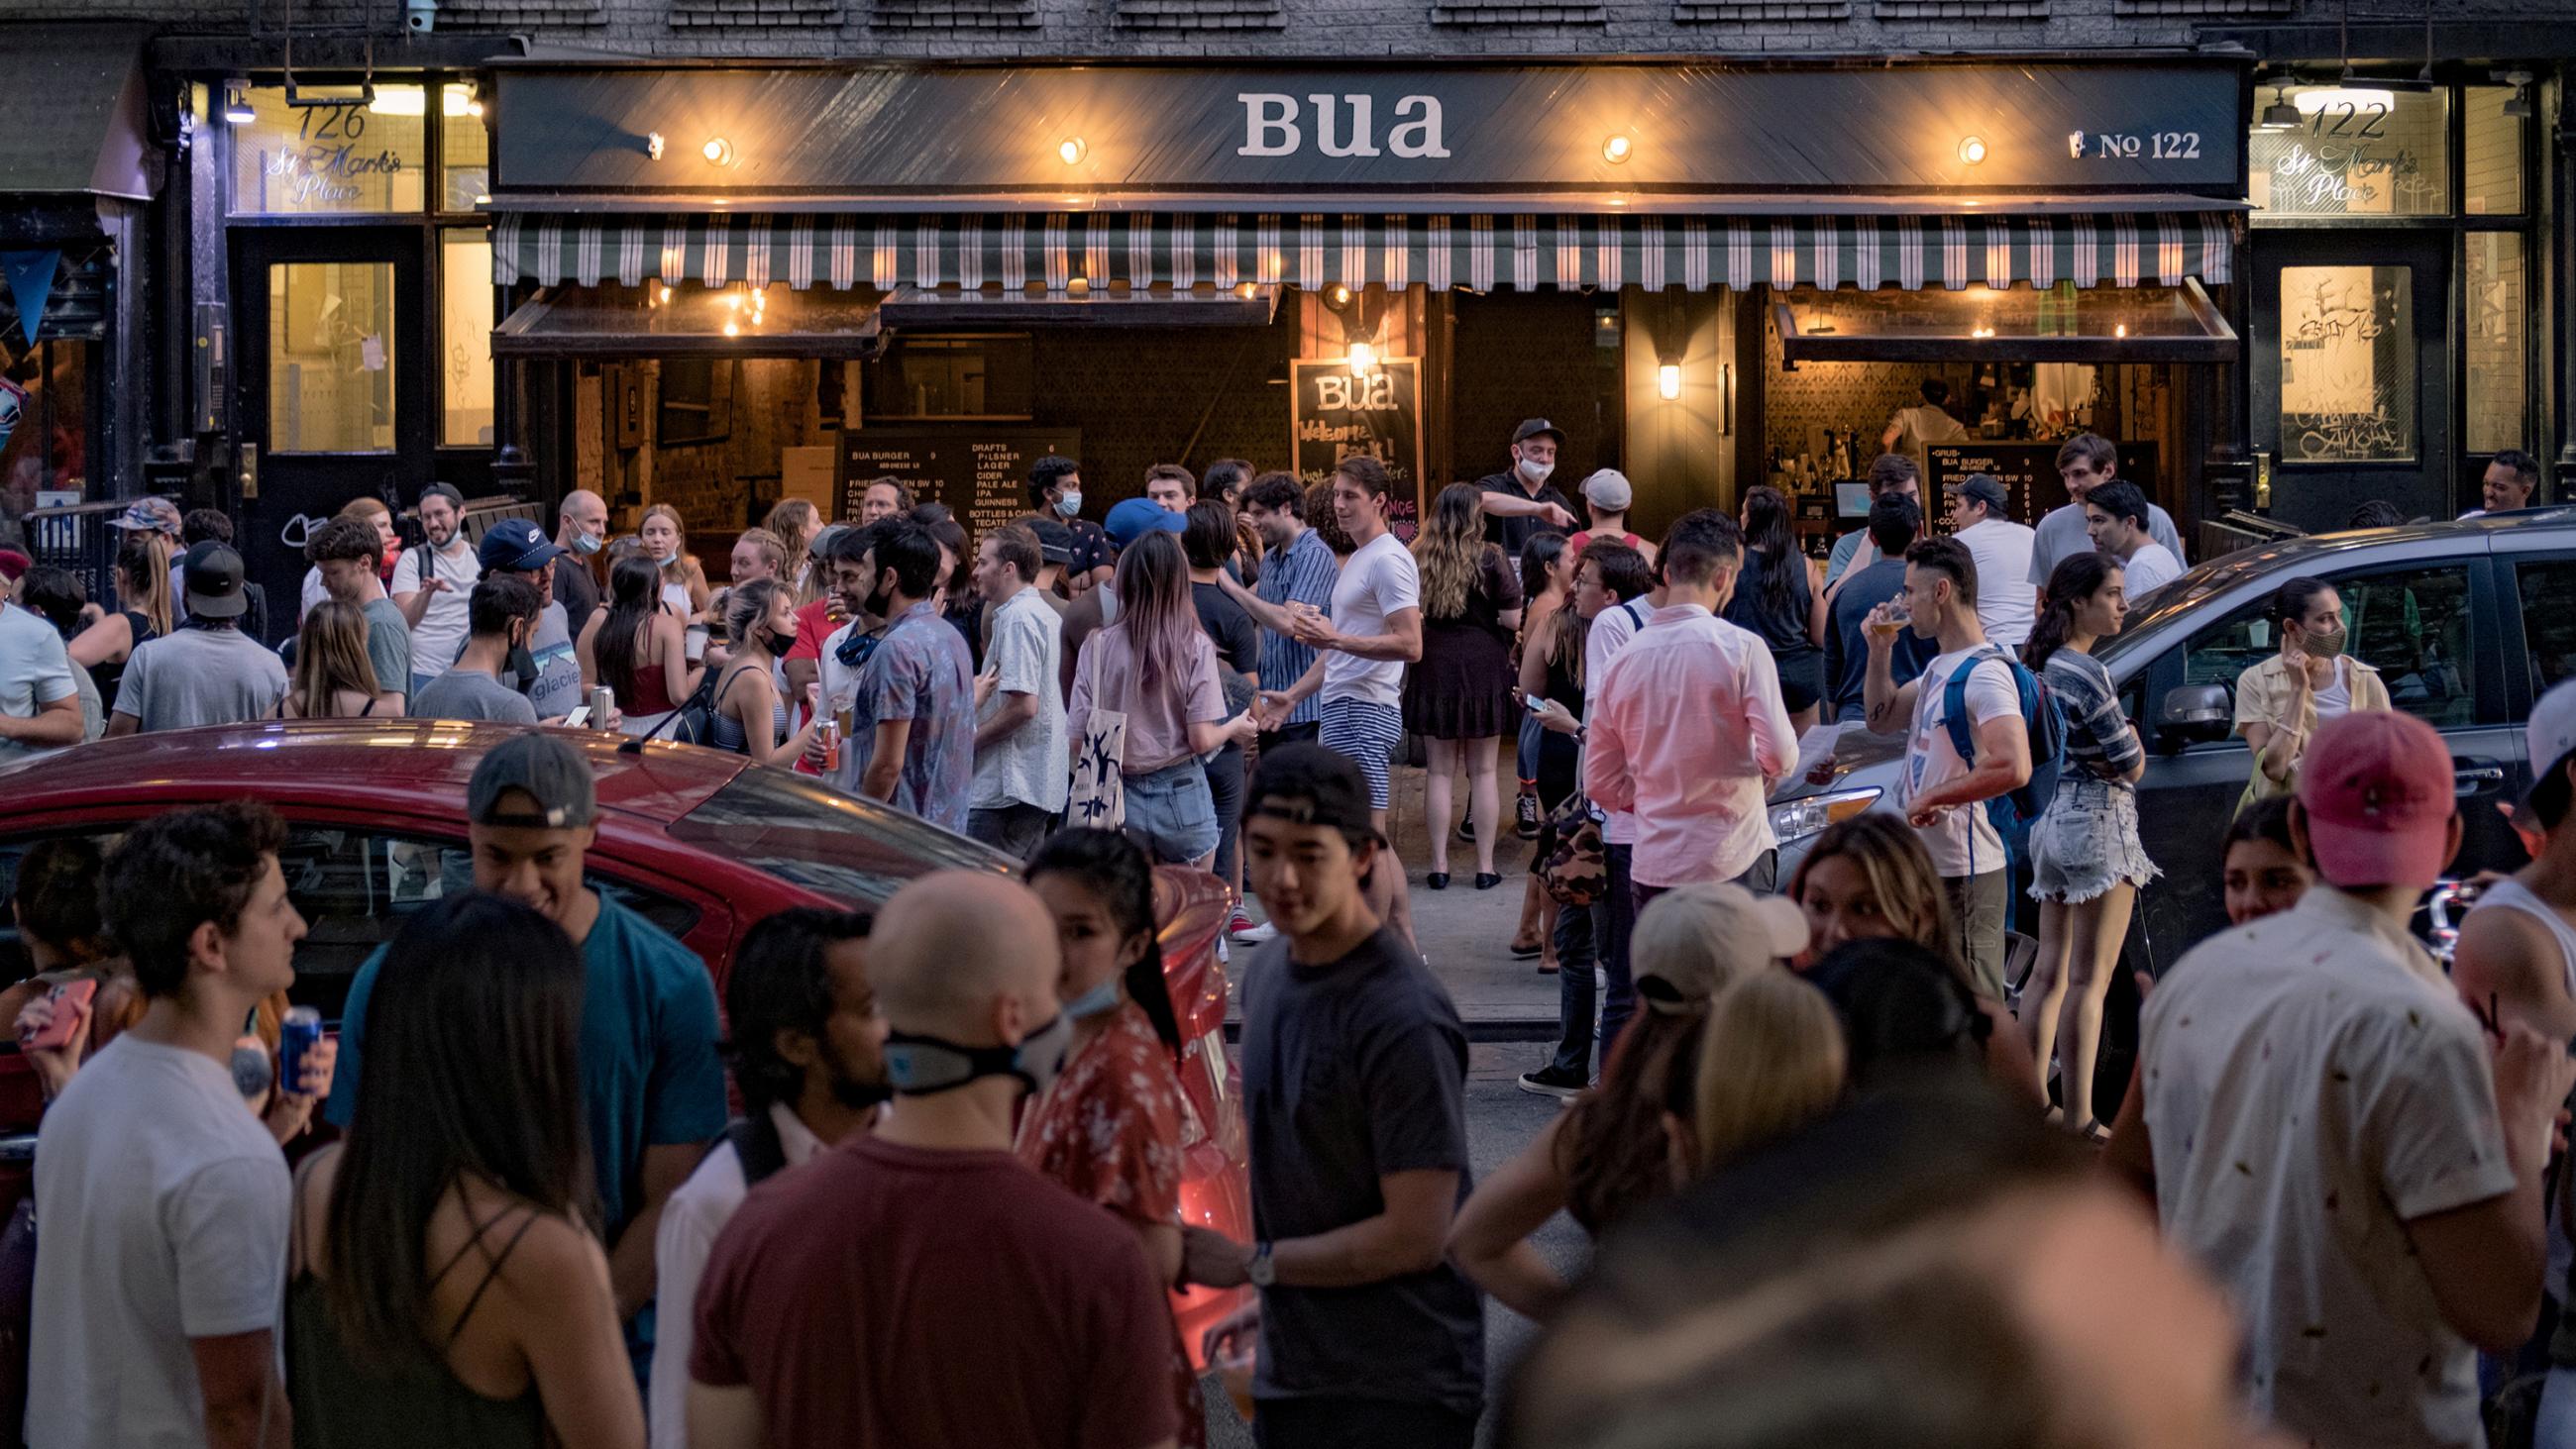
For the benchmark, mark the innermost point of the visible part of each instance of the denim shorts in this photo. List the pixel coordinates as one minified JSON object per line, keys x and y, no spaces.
{"x":1173,"y":809}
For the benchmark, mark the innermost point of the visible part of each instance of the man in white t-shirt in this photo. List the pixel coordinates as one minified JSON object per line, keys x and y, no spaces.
{"x":40,"y":708}
{"x":1944,"y":796}
{"x":1019,"y":720}
{"x":2355,"y":1155}
{"x":432,"y":582}
{"x":164,"y":1199}
{"x":2115,"y":515}
{"x":2085,"y":462}
{"x":2006,"y":602}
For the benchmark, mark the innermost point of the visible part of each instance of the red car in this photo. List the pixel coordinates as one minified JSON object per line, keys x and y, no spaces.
{"x":701,"y":842}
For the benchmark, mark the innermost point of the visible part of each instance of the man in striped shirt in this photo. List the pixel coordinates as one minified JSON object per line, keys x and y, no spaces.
{"x":1300,"y":569}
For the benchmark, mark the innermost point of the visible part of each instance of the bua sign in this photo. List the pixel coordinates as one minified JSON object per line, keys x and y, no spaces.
{"x":1273,"y":125}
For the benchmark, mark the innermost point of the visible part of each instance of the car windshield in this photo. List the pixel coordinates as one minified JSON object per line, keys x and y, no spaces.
{"x":812,"y":835}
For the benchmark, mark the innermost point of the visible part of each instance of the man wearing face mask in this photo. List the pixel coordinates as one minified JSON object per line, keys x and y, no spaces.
{"x":816,"y":1324}
{"x":809,"y":1051}
{"x":1520,"y":501}
{"x":1055,"y":484}
{"x":503,"y":613}
{"x":581,"y":528}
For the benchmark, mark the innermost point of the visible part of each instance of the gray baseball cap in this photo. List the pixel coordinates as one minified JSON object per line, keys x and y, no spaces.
{"x":1985,"y":488}
{"x":550,"y":772}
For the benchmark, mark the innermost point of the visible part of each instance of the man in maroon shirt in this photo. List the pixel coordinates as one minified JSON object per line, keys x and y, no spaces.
{"x":919,"y":1286}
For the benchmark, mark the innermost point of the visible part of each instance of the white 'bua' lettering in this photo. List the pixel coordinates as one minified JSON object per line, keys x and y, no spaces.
{"x":1362,"y":142}
{"x":1269,"y":124}
{"x":1423,"y":130}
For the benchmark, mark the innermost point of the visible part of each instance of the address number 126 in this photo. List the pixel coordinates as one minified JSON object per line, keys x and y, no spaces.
{"x":2155,"y":145}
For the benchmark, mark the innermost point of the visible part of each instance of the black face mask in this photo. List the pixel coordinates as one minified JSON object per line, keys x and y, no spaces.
{"x":781,"y":640}
{"x":919,"y":1065}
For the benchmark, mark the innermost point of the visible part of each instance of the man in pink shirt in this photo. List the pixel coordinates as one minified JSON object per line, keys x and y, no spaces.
{"x":1689,"y":730}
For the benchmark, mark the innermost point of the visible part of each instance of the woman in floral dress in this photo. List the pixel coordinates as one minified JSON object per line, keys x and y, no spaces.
{"x":1109,"y":1128}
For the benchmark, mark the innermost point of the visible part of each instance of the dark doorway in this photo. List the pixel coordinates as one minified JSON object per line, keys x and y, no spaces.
{"x":1536,"y":355}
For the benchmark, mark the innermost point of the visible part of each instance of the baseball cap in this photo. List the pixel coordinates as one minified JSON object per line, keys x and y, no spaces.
{"x":2379,"y":796}
{"x":14,"y":565}
{"x":1055,"y":541}
{"x":1983,"y":488}
{"x":1136,"y":517}
{"x":1306,"y":784}
{"x":1532,"y":427}
{"x":2549,"y":738}
{"x":547,"y":770}
{"x":1609,"y":488}
{"x":516,"y":545}
{"x":446,"y":491}
{"x":212,"y":581}
{"x":149,"y":515}
{"x":1693,"y":939}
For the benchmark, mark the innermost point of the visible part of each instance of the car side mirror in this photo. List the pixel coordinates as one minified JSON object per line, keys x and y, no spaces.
{"x":2195,"y":714}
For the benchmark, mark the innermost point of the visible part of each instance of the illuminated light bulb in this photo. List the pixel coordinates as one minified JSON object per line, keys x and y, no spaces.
{"x":1617,"y":148}
{"x":666,"y":292}
{"x":1071,"y":150}
{"x":733,"y":329}
{"x":2120,"y":330}
{"x":1972,"y":149}
{"x":718,"y":151}
{"x":1363,"y":359}
{"x":1668,"y":380}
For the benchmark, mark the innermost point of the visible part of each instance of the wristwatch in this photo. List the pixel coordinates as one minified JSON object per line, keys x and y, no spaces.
{"x":1259,"y":1270}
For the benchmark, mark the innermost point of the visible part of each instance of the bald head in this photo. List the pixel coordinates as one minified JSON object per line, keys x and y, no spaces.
{"x":964,"y":956}
{"x":583,"y":513}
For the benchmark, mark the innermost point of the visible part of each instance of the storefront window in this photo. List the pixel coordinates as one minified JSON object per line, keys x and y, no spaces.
{"x":2497,"y":315}
{"x":984,"y":376}
{"x":2491,"y":155}
{"x":2355,"y":152}
{"x":341,"y":158}
{"x":331,"y":357}
{"x":2347,"y":365}
{"x":465,"y":338}
{"x":44,"y":430}
{"x":464,"y":148}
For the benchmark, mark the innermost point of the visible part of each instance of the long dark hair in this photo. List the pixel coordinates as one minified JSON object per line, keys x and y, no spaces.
{"x":1117,"y":870}
{"x":1766,"y":527}
{"x":1539,"y":553}
{"x":2077,"y":577}
{"x":634,"y":593}
{"x":472,"y":1069}
{"x":1613,"y":1154}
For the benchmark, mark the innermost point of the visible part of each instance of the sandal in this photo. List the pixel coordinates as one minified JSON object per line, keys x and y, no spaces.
{"x":2095,"y":1133}
{"x":1524,"y":950}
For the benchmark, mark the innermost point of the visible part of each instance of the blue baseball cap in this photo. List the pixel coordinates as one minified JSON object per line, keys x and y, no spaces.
{"x":1136,"y":517}
{"x":516,"y":545}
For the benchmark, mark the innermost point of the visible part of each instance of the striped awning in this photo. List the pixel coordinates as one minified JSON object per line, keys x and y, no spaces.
{"x":1521,"y":252}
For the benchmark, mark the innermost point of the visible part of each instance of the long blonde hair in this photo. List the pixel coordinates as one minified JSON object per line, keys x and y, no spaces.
{"x":795,"y":523}
{"x":693,"y":575}
{"x":331,"y":656}
{"x":1770,"y":1061}
{"x":1450,"y":550}
{"x":145,"y":563}
{"x":1901,"y":878}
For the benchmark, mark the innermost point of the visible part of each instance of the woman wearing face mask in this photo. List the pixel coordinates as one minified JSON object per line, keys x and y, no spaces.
{"x":2281,"y":701}
{"x":1108,"y":1128}
{"x":750,"y":711}
{"x":684,"y":581}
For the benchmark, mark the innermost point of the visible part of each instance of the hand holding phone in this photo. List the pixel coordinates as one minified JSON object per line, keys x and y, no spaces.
{"x":51,"y":1022}
{"x":579,"y":719}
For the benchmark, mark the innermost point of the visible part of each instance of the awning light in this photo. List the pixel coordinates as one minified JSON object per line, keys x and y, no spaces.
{"x":1071,"y":150}
{"x":1668,"y":380}
{"x":237,"y":102}
{"x":1972,"y":149}
{"x":1617,"y":148}
{"x":718,"y":151}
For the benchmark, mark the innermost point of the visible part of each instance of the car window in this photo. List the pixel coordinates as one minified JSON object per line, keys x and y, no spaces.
{"x":2548,"y":625}
{"x":800,"y":830}
{"x":2412,"y":625}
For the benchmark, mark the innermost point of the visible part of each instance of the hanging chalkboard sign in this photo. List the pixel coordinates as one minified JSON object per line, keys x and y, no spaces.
{"x":2028,"y":472}
{"x":1379,"y":413}
{"x":980,"y":473}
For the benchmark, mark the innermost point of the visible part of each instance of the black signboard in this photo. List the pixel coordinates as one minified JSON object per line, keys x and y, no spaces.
{"x":2028,"y":472}
{"x":981,"y":473}
{"x":1336,"y":413}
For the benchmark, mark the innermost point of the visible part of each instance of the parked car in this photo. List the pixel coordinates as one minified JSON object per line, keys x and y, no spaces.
{"x":2466,"y":622}
{"x":701,"y":842}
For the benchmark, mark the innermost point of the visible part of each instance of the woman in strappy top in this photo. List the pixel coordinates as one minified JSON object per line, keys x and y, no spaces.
{"x":488,"y":1319}
{"x":334,"y":679}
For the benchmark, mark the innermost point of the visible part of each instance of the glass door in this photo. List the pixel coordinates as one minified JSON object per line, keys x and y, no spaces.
{"x":334,"y":386}
{"x":2352,"y":380}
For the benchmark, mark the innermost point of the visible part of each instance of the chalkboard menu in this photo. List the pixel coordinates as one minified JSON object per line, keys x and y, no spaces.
{"x":980,"y":473}
{"x":2028,"y":472}
{"x":1336,"y":415}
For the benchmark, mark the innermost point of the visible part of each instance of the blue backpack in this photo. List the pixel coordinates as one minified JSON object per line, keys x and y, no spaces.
{"x":2013,"y":811}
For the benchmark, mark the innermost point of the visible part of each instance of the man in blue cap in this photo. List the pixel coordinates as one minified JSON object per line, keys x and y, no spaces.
{"x":545,"y":668}
{"x":1131,"y":520}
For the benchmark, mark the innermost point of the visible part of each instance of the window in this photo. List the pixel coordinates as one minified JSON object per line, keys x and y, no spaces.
{"x":2355,"y":152}
{"x":464,"y":148}
{"x":343,"y":157}
{"x":2497,"y":300}
{"x":2412,"y":626}
{"x":805,"y":832}
{"x":331,"y":357}
{"x":2347,"y":364}
{"x":45,"y":456}
{"x":465,"y":338}
{"x":696,"y":401}
{"x":2490,"y":154}
{"x":2548,"y":628}
{"x":954,"y":377}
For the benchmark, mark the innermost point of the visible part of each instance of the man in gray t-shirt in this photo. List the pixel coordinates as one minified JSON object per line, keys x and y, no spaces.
{"x":501,"y":613}
{"x":463,"y":693}
{"x":38,"y":691}
{"x":208,"y":672}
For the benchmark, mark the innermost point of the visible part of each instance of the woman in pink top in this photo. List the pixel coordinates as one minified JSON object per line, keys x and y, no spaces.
{"x":1158,"y":668}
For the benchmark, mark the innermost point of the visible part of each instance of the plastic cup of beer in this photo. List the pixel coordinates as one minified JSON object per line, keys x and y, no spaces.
{"x":1890,"y":618}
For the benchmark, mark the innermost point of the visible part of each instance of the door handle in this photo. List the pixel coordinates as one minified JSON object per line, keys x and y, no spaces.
{"x":2477,"y":779}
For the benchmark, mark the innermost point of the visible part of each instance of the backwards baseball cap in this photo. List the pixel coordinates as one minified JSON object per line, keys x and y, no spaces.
{"x":2379,"y":796}
{"x":149,"y":515}
{"x":545,"y":769}
{"x":1534,"y":427}
{"x":1694,"y":939}
{"x":1136,"y":517}
{"x":1984,"y":488}
{"x":1306,"y":784}
{"x":1055,"y":541}
{"x":2549,"y":739}
{"x":212,"y":581}
{"x":446,"y":491}
{"x":516,"y":545}
{"x":1609,"y":489}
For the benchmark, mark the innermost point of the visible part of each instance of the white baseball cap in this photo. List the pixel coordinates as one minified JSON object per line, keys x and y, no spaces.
{"x":2548,"y":739}
{"x":1694,"y":939}
{"x":1609,"y":488}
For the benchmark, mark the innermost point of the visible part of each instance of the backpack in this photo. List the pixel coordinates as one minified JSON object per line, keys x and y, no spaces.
{"x":2013,"y":811}
{"x":755,"y":1146}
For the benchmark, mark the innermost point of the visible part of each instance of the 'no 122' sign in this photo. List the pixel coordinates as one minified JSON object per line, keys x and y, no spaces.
{"x":1338,"y":413}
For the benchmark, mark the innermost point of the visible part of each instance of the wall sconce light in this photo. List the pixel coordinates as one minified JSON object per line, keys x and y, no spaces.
{"x":1071,"y":150}
{"x":1363,"y":359}
{"x":237,"y":102}
{"x":718,"y":151}
{"x":1337,"y":296}
{"x":1972,"y":149}
{"x":2120,"y":329}
{"x":2075,"y":145}
{"x":1617,"y":148}
{"x":1668,"y":380}
{"x":653,"y":145}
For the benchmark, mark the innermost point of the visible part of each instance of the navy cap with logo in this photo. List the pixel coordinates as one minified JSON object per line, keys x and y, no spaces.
{"x":551,"y":774}
{"x":515,"y":546}
{"x":1537,"y":427}
{"x":212,"y":581}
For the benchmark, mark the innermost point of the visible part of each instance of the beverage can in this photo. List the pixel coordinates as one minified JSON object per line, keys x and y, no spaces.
{"x":298,"y":1032}
{"x":603,"y":704}
{"x":831,"y":744}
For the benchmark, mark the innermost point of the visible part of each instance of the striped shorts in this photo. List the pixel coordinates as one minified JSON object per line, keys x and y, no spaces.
{"x":1366,"y":733}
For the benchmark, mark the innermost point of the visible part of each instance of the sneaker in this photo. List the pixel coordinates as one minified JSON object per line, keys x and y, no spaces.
{"x":1240,"y":924}
{"x":1525,"y":816}
{"x":1545,"y":1082}
{"x":1252,"y":935}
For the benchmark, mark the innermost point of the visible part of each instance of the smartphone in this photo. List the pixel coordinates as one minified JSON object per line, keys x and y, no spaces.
{"x":71,"y":1009}
{"x":579,"y":719}
{"x":1535,"y":704}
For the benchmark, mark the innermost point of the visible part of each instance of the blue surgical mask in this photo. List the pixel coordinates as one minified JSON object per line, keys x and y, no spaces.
{"x":585,"y":543}
{"x":1101,"y":998}
{"x":672,"y":562}
{"x":1069,"y":503}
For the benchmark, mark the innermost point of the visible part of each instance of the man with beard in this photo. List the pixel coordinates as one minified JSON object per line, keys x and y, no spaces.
{"x":431,"y":585}
{"x":903,"y":695}
{"x":809,"y":1051}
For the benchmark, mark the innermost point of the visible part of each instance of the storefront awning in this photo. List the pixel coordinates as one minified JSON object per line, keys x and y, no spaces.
{"x":1518,"y":251}
{"x":1243,"y":305}
{"x":71,"y":106}
{"x":684,"y":320}
{"x":2006,"y":324}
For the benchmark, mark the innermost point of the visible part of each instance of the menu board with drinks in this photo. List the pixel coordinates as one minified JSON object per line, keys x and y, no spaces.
{"x":2028,"y":472}
{"x":981,"y":473}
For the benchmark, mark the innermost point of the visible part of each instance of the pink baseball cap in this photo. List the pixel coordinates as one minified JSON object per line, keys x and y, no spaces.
{"x":2378,"y":790}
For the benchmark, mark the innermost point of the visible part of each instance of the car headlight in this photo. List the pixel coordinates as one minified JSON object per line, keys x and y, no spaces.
{"x":1804,"y":817}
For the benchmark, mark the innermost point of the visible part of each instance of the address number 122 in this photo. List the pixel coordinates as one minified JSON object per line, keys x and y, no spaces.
{"x":2155,"y":145}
